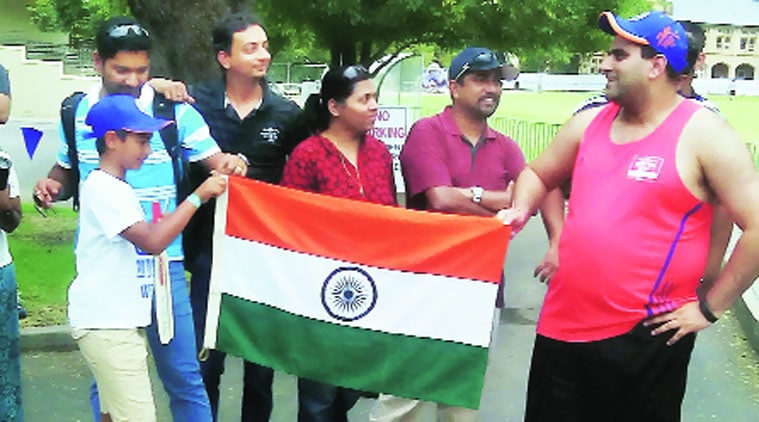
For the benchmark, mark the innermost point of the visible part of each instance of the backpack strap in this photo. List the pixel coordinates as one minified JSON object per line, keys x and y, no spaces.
{"x":164,"y":109}
{"x":68,"y":115}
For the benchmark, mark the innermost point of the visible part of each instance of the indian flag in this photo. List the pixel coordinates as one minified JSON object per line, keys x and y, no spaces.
{"x":354,"y":294}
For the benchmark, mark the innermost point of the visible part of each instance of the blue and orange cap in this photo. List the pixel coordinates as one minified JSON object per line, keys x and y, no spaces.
{"x":657,"y":29}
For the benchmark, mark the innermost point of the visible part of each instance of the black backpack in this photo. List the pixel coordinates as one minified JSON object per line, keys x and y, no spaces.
{"x":162,"y":108}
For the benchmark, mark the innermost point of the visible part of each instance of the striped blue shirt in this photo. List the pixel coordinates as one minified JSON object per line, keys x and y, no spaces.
{"x":154,"y":181}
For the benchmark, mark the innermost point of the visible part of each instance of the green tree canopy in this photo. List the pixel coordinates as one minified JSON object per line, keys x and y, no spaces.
{"x":77,"y":17}
{"x":181,"y":29}
{"x":351,"y":31}
{"x":362,"y":31}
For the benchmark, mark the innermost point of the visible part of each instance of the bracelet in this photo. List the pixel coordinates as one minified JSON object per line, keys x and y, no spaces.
{"x":708,"y":314}
{"x":194,"y":199}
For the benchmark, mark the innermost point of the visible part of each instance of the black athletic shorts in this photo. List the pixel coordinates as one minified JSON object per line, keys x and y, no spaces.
{"x":631,"y":377}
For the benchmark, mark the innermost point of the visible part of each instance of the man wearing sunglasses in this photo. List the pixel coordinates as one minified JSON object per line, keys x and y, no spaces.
{"x":122,"y":59}
{"x":620,"y":317}
{"x":454,"y":162}
{"x":247,"y":119}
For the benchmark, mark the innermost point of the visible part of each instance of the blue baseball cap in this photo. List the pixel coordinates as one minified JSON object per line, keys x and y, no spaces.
{"x":120,"y":112}
{"x":480,"y":58}
{"x":657,"y":29}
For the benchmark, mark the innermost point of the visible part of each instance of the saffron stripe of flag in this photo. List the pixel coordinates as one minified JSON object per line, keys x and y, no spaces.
{"x":377,"y":235}
{"x":353,"y":294}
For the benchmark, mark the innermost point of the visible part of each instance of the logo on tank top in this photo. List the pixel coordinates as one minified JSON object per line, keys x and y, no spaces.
{"x":645,"y":168}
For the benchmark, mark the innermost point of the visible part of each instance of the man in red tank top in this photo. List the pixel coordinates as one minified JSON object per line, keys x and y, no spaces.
{"x":619,"y":319}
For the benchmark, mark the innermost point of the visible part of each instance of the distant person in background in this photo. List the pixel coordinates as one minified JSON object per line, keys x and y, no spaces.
{"x":695,"y":62}
{"x":340,"y":160}
{"x":434,"y":78}
{"x":722,"y":225}
{"x":10,"y":217}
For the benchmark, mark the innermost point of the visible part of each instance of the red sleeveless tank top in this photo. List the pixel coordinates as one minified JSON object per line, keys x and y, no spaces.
{"x":635,"y":240}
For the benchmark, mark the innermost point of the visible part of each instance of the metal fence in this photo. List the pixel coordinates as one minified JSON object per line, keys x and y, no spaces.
{"x":532,"y":137}
{"x":76,"y":61}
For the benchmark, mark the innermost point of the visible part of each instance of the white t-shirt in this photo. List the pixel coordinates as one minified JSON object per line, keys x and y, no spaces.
{"x":5,"y":255}
{"x":114,"y":282}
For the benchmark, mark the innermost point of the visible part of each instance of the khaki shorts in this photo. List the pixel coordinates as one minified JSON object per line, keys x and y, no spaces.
{"x":118,"y":360}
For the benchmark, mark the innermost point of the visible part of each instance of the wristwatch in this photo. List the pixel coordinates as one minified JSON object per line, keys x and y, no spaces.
{"x":477,"y":192}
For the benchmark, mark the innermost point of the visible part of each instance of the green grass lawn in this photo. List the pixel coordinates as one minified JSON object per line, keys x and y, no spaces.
{"x":44,"y":259}
{"x":42,"y":247}
{"x":740,"y":113}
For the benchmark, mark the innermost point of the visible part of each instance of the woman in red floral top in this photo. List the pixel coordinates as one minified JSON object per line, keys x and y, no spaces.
{"x":341,"y":160}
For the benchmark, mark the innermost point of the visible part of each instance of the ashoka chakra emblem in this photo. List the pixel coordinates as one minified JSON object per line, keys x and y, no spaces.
{"x":349,"y":293}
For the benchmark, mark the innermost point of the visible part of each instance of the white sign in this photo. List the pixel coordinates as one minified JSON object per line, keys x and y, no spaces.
{"x":391,"y":127}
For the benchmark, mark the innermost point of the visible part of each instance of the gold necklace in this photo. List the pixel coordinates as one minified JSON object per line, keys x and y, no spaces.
{"x":350,"y":175}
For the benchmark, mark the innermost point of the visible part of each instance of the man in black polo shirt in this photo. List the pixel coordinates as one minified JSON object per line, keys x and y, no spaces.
{"x":247,"y":119}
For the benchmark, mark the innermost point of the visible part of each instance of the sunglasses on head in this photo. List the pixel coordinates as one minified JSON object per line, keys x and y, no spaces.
{"x":355,"y":72}
{"x":124,"y":30}
{"x":489,"y":61}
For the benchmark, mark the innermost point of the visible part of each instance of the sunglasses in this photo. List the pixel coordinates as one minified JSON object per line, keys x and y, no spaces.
{"x":124,"y":30}
{"x":489,"y":61}
{"x":40,"y":209}
{"x":355,"y":72}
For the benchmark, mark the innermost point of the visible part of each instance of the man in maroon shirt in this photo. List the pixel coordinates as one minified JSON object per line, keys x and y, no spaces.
{"x":454,"y":162}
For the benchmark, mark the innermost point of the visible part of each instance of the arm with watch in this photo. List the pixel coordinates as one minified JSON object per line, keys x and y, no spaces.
{"x":492,"y":200}
{"x":472,"y":200}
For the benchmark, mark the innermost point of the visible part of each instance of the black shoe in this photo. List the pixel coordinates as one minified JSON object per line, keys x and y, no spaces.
{"x":21,"y":311}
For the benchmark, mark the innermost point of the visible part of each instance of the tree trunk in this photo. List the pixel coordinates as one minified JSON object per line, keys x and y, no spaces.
{"x":181,"y":34}
{"x":342,"y":52}
{"x":366,"y":53}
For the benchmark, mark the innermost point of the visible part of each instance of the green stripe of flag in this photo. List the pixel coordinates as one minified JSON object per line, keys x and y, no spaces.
{"x":432,"y":370}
